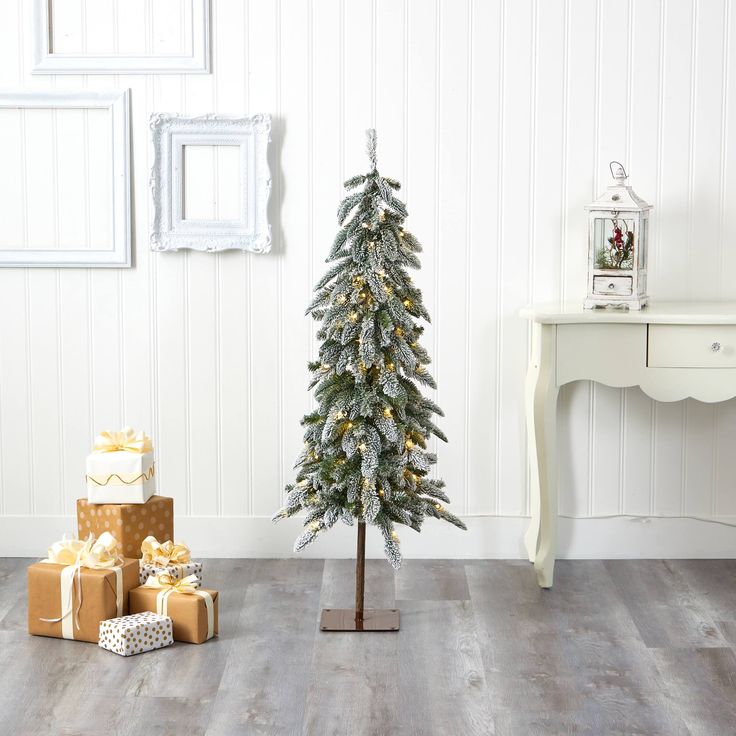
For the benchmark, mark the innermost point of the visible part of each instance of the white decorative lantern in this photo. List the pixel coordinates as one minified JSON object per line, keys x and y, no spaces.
{"x":618,"y":240}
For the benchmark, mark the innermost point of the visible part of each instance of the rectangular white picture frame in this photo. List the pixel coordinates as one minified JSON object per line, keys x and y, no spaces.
{"x":170,"y":230}
{"x":116,"y":102}
{"x":46,"y":61}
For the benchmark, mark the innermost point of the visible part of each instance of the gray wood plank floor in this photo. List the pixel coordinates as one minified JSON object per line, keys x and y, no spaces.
{"x":617,"y":647}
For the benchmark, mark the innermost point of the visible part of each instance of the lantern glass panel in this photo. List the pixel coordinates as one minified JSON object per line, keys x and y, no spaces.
{"x":613,"y":238}
{"x":643,"y":242}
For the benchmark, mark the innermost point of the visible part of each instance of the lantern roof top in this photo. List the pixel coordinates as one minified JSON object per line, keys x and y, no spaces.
{"x":619,"y":196}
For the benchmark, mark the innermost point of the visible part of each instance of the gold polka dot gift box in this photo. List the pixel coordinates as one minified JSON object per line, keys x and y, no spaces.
{"x":129,"y":523}
{"x":120,"y":469}
{"x":137,"y":633}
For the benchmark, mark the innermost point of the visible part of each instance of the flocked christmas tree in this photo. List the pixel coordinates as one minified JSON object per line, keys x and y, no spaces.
{"x":365,"y":454}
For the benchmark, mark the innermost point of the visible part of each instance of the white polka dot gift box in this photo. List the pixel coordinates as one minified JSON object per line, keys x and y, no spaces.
{"x":120,"y":469}
{"x":167,"y":558}
{"x":129,"y":523}
{"x":139,"y":632}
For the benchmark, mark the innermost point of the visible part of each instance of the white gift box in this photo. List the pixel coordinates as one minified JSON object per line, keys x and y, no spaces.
{"x":120,"y":477}
{"x":139,"y":632}
{"x":176,"y":571}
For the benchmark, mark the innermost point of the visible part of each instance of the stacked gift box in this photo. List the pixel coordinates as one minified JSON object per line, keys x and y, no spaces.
{"x":117,"y":584}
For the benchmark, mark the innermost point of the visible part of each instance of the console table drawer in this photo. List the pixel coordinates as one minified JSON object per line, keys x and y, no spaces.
{"x":613,"y":354}
{"x":692,"y":346}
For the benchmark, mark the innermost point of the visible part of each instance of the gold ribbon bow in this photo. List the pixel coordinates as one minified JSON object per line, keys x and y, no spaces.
{"x":167,"y":582}
{"x":126,"y":440}
{"x":74,"y":554}
{"x":168,"y":585}
{"x":164,"y":554}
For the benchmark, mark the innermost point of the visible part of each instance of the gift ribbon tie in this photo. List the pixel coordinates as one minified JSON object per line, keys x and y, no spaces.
{"x":74,"y":554}
{"x":180,"y":567}
{"x":169,"y":585}
{"x":69,"y":575}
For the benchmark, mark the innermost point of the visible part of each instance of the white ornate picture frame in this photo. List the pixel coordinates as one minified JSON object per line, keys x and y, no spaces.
{"x":170,"y":230}
{"x":116,"y":252}
{"x":46,"y":61}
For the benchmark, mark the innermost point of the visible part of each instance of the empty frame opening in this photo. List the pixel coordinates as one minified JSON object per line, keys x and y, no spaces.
{"x":212,"y":183}
{"x":56,"y":179}
{"x":151,"y":28}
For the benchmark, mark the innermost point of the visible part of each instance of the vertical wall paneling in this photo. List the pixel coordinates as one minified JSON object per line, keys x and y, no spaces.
{"x":482,"y":284}
{"x":727,"y":288}
{"x":518,"y":103}
{"x":724,"y":499}
{"x":201,"y":315}
{"x":44,"y":389}
{"x":498,"y":117}
{"x":264,"y":284}
{"x":136,"y":295}
{"x":171,"y":352}
{"x":75,"y":377}
{"x":450,"y":312}
{"x":699,"y":444}
{"x":232,"y":381}
{"x":16,"y":459}
{"x":15,"y":398}
{"x":550,"y":84}
{"x":295,"y":156}
{"x":422,"y":156}
{"x":636,"y":453}
{"x":669,"y":454}
{"x":573,"y":458}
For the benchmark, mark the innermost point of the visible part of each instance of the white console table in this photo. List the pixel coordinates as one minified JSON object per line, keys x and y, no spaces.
{"x":672,"y":350}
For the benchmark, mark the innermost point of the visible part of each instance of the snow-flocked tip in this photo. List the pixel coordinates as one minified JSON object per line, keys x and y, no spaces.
{"x":371,"y":142}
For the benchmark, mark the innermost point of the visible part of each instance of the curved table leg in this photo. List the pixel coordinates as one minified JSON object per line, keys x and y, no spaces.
{"x":541,"y":416}
{"x":531,"y":538}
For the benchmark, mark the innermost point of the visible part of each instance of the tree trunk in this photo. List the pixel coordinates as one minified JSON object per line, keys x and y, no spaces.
{"x":360,"y":573}
{"x":358,"y":619}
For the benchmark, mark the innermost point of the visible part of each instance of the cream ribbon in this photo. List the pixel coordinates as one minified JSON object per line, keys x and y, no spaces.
{"x":164,"y":554}
{"x":126,"y":440}
{"x":186,"y":585}
{"x":74,"y":554}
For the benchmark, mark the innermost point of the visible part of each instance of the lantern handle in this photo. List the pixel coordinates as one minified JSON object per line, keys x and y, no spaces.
{"x":622,"y":171}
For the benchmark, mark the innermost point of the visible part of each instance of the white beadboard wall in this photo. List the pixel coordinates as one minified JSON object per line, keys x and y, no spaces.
{"x":500,"y":119}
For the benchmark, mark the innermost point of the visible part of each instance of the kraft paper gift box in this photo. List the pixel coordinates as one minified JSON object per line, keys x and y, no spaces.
{"x":77,"y":586}
{"x":174,"y":560}
{"x":121,"y":468}
{"x":136,"y":633}
{"x":130,"y":524}
{"x":193,"y":610}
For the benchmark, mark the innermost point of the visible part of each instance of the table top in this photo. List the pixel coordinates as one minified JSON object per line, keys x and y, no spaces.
{"x":656,"y":312}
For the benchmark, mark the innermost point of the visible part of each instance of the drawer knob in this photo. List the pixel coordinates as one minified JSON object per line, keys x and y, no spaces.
{"x":716,"y":347}
{"x":611,"y":285}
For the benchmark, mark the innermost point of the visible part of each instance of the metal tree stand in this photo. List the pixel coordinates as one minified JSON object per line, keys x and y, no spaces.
{"x":358,"y":618}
